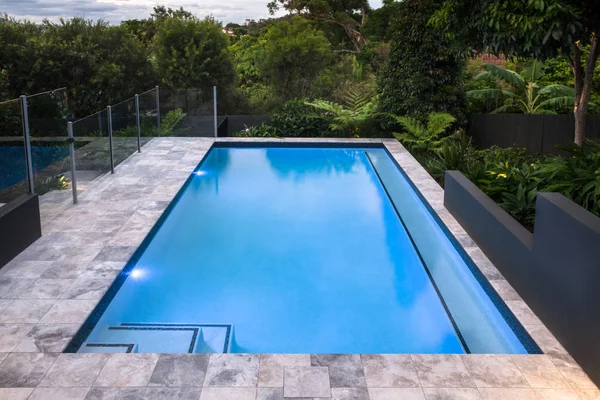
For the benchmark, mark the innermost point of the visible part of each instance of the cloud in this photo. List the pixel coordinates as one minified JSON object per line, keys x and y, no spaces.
{"x":116,"y":11}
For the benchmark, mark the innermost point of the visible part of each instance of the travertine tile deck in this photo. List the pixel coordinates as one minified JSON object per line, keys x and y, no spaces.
{"x":47,"y":292}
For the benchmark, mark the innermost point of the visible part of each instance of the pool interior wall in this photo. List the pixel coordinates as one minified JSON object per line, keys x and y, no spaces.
{"x":299,"y":250}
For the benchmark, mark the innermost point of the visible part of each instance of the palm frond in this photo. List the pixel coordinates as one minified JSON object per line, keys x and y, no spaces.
{"x":410,"y":125}
{"x":555,"y":102}
{"x":505,"y":109}
{"x":439,"y":123}
{"x":326,"y":106}
{"x":355,"y":98}
{"x":489,"y":94}
{"x":506,"y":75}
{"x":533,"y":70}
{"x":557,"y":91}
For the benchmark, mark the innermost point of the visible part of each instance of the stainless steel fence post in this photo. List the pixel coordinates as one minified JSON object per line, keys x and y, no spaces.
{"x":73,"y":168}
{"x":110,"y":139}
{"x":157,"y":111}
{"x":215,"y":109}
{"x":137,"y":120}
{"x":27,"y":138}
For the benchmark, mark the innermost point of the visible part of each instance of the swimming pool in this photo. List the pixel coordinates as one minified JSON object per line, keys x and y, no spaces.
{"x":300,"y":250}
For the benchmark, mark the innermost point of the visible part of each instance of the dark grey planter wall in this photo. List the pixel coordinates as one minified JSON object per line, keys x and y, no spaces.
{"x":556,"y":270}
{"x":536,"y":133}
{"x":19,"y":226}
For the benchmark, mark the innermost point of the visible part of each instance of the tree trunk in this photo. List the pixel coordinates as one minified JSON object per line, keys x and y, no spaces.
{"x":583,"y":87}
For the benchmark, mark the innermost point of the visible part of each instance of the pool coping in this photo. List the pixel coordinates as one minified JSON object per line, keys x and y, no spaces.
{"x":61,"y":317}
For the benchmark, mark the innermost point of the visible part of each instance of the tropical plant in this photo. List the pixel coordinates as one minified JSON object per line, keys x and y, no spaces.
{"x":536,"y":28}
{"x":456,"y":154}
{"x":521,"y":204}
{"x":422,"y":137}
{"x":357,"y":110}
{"x":522,"y":93}
{"x":578,"y":176}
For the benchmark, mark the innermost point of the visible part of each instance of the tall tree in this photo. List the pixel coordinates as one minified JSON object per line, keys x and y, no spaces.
{"x":536,"y":28}
{"x":422,"y":75}
{"x":294,"y":54}
{"x":350,"y":15}
{"x":193,"y":53}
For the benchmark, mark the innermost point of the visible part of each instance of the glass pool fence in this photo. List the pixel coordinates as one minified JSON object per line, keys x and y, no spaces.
{"x":44,"y":149}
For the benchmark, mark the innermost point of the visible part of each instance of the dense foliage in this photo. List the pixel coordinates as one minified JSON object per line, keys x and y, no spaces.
{"x":423,"y":75}
{"x":192,"y":53}
{"x":293,"y":56}
{"x":540,"y":29}
{"x":98,"y":63}
{"x":512,"y":177}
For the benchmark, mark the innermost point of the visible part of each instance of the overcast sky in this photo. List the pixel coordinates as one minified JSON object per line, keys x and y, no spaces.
{"x":118,"y":10}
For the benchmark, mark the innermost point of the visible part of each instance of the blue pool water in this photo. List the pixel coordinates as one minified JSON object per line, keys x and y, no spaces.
{"x":300,"y":250}
{"x":12,"y":161}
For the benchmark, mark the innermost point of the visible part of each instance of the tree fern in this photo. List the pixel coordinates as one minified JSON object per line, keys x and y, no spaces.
{"x":424,"y":137}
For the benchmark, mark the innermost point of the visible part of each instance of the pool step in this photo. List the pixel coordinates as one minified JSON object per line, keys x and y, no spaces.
{"x":162,"y":338}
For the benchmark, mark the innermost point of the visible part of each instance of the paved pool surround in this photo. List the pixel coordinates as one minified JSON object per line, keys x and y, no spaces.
{"x":48,"y":291}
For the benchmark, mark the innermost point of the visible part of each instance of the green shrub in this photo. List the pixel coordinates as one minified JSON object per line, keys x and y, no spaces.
{"x":298,"y":119}
{"x":262,"y":130}
{"x":456,"y":154}
{"x":170,"y":122}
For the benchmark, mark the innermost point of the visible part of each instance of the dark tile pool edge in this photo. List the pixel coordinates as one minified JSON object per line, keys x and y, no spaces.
{"x":301,"y":144}
{"x":513,"y":322}
{"x":88,"y":326}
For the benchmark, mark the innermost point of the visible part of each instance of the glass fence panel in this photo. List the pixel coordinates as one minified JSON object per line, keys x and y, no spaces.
{"x":92,"y":150}
{"x":187,"y":112}
{"x":148,"y":114}
{"x":13,"y":170}
{"x":48,"y":116}
{"x":125,"y":133}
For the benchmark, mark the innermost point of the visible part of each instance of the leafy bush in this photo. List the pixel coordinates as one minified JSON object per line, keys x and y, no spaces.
{"x":147,"y":128}
{"x":298,"y":119}
{"x":262,"y":130}
{"x":577,"y":177}
{"x":457,"y":153}
{"x":170,"y":122}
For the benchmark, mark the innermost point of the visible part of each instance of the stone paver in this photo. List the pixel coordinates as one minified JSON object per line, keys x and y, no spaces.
{"x":306,"y":382}
{"x":25,"y":369}
{"x":47,"y":292}
{"x":442,"y":371}
{"x":74,"y":370}
{"x":272,"y":366}
{"x":345,"y":370}
{"x":180,"y":370}
{"x":127,"y":370}
{"x":390,"y":370}
{"x":232,"y":370}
